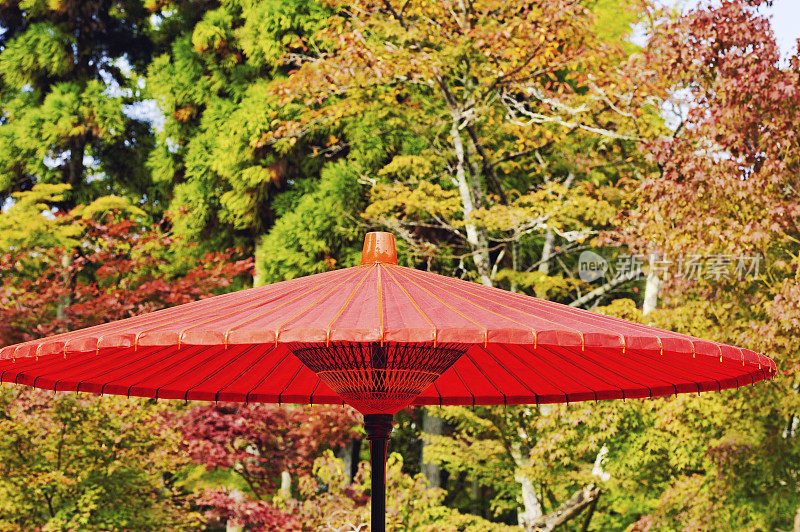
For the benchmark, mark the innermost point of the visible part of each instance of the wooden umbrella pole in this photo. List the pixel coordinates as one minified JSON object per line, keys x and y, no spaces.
{"x":378,"y":428}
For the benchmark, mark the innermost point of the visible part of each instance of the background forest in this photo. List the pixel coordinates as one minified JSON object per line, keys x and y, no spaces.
{"x":155,"y":152}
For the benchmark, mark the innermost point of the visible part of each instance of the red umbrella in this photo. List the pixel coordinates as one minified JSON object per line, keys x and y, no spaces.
{"x":379,"y":337}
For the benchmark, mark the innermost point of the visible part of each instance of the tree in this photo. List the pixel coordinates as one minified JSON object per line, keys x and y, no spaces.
{"x":496,"y":114}
{"x":68,"y":74}
{"x":519,"y":143}
{"x":726,"y":189}
{"x":117,"y":266}
{"x":231,"y":183}
{"x":86,"y":462}
{"x":71,"y":462}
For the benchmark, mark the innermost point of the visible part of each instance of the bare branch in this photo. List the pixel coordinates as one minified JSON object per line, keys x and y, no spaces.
{"x":569,"y":509}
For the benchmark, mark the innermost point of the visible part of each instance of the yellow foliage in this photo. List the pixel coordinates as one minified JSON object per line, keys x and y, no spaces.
{"x":106,"y":204}
{"x":424,"y":202}
{"x":408,"y":167}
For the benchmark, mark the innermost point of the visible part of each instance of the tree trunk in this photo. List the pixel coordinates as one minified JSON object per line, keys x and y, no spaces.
{"x":651,"y":289}
{"x":476,"y":497}
{"x":547,"y":252}
{"x":610,"y":285}
{"x":476,"y":237}
{"x":286,"y":485}
{"x":74,"y":170}
{"x":258,"y":262}
{"x":514,"y":262}
{"x":431,"y":425}
{"x":349,"y":454}
{"x":234,"y":525}
{"x":531,"y":506}
{"x":549,"y":236}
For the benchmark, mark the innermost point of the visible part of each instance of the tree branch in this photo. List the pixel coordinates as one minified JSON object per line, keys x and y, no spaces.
{"x":613,"y":283}
{"x":569,"y":509}
{"x":488,"y":168}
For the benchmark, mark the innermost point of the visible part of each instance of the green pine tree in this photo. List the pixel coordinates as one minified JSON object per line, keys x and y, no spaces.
{"x":68,"y":74}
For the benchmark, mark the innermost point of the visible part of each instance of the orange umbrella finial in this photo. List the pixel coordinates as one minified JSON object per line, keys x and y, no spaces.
{"x":379,"y":249}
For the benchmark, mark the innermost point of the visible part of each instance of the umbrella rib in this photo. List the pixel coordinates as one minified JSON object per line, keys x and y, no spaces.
{"x":505,"y":399}
{"x":341,"y":310}
{"x":695,"y":370}
{"x":567,"y":375}
{"x":476,"y":289}
{"x":469,"y":391}
{"x":303,"y":292}
{"x":380,"y":305}
{"x":102,"y":361}
{"x":211,"y":355}
{"x":505,"y":316}
{"x":598,"y":377}
{"x":705,"y":364}
{"x":311,"y":397}
{"x":642,"y":370}
{"x":134,"y":372}
{"x":586,"y":317}
{"x":485,"y":329}
{"x":161,"y":370}
{"x":535,"y":395}
{"x":296,"y":373}
{"x":239,"y":375}
{"x":119,"y":325}
{"x":22,"y":366}
{"x":120,"y":358}
{"x":551,"y":307}
{"x":562,"y":372}
{"x":253,"y":304}
{"x":265,"y":377}
{"x":306,"y":290}
{"x":220,"y":369}
{"x":413,"y":302}
{"x":536,"y":371}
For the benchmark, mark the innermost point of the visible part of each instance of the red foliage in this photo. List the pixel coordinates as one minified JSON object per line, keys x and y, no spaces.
{"x":259,"y":516}
{"x":261,"y":441}
{"x":121,"y":269}
{"x":728,"y":171}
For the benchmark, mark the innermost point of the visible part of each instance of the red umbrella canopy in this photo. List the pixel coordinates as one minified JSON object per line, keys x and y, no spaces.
{"x":379,"y":337}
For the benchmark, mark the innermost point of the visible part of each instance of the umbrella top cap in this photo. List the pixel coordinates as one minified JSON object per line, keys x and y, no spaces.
{"x":379,"y":249}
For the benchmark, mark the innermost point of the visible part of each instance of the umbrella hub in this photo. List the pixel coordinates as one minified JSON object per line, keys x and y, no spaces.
{"x":379,"y":249}
{"x":375,"y":378}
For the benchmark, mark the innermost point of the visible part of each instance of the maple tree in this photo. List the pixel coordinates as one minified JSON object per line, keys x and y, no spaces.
{"x":76,"y":461}
{"x":480,"y":107}
{"x":116,"y":266}
{"x":725,"y":186}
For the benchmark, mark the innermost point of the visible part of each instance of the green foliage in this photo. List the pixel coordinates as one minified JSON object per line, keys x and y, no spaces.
{"x":410,"y":505}
{"x":43,"y":50}
{"x":310,"y":236}
{"x":78,"y":463}
{"x":216,"y":147}
{"x":65,"y":77}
